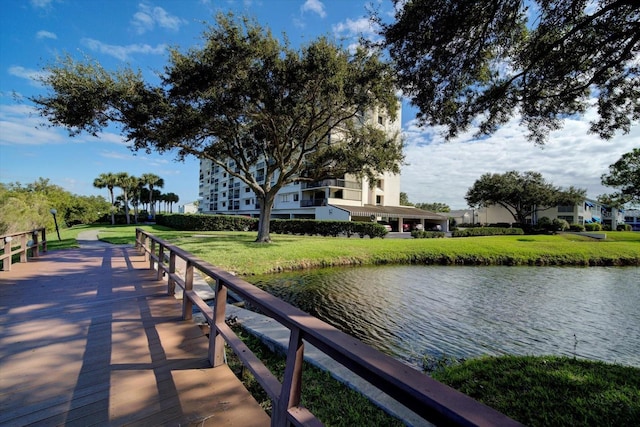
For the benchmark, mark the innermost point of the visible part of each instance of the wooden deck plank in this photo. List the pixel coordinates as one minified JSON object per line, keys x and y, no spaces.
{"x":90,"y":337}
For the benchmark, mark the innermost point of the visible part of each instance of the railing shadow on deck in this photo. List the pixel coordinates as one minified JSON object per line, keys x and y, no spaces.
{"x":22,"y":243}
{"x":430,"y":399}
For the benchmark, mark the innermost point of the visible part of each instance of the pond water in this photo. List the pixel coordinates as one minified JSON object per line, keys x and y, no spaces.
{"x":412,"y":311}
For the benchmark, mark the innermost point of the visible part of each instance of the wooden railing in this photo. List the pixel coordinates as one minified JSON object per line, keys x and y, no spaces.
{"x":428,"y":398}
{"x":21,"y":243}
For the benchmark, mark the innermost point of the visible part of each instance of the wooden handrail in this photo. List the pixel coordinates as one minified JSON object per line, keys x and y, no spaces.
{"x":19,"y":243}
{"x":430,"y":399}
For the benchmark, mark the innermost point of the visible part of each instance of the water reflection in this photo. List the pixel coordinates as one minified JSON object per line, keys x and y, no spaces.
{"x":410,"y":311}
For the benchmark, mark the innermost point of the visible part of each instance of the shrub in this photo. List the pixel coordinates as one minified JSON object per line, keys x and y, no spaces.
{"x":576,"y":227}
{"x":486,"y":231}
{"x":594,"y":226}
{"x":327,"y":228}
{"x":201,"y":222}
{"x":422,"y":234}
{"x":559,"y":225}
{"x":624,"y":227}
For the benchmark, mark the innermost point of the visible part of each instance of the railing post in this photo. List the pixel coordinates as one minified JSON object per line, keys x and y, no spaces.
{"x":6,"y":264}
{"x":292,"y":381}
{"x":171,"y":284}
{"x":152,"y":252}
{"x":44,"y":240}
{"x":137,"y":246}
{"x":187,"y":304}
{"x":23,"y":247}
{"x":216,"y":341}
{"x":35,"y":249}
{"x":160,"y":262}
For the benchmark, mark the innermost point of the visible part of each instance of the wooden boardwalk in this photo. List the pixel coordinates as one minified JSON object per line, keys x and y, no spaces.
{"x":90,"y":337}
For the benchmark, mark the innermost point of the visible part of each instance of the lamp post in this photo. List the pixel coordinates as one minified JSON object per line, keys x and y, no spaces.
{"x":54,"y":212}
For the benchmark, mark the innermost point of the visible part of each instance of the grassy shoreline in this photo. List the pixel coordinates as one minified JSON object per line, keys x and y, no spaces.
{"x":237,"y":252}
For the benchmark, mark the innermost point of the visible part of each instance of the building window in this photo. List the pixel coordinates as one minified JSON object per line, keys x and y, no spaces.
{"x":296,"y":197}
{"x":565,"y":208}
{"x":380,"y":120}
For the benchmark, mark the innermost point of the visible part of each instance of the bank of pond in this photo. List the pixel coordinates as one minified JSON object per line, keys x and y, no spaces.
{"x":516,"y":338}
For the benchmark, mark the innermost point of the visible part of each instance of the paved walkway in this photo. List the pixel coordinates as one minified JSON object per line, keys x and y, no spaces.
{"x":89,"y":337}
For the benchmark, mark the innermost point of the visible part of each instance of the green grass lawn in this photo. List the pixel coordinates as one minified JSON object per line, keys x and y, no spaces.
{"x":237,"y":251}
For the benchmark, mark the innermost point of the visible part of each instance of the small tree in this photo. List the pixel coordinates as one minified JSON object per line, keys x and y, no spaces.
{"x":108,"y":181}
{"x":154,"y":182}
{"x":521,"y":194}
{"x":625,"y":176}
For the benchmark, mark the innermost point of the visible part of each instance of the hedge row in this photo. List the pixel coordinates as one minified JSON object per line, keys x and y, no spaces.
{"x":327,"y":228}
{"x":200,"y":222}
{"x":486,"y":231}
{"x":422,"y":234}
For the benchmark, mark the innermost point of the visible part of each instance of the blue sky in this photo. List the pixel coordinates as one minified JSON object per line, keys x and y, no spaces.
{"x":121,"y":33}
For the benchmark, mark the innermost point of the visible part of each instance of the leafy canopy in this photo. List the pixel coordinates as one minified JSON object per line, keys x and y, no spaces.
{"x":625,"y":176}
{"x":521,"y":194}
{"x":543,"y":60}
{"x":243,"y":96}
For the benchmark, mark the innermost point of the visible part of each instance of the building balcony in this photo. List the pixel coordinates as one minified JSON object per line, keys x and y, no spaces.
{"x":309,"y":203}
{"x":333,"y":183}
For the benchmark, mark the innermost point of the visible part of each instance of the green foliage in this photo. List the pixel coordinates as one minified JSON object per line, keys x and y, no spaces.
{"x":576,"y":227}
{"x":280,"y":226}
{"x":327,"y":228}
{"x":594,"y":226}
{"x":462,"y":61}
{"x":434,"y":207}
{"x":552,"y":225}
{"x":486,"y":231}
{"x":28,"y":207}
{"x":404,"y":199}
{"x":423,"y":234}
{"x":520,"y":193}
{"x":624,"y":227}
{"x":549,"y":390}
{"x":198,"y":222}
{"x":624,"y":175}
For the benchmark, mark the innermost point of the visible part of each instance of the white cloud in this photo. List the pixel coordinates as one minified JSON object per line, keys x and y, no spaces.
{"x":443,"y":172}
{"x":355,"y":28}
{"x":314,"y":6}
{"x":148,"y":17}
{"x":20,"y":125}
{"x":41,"y":4}
{"x":123,"y":52}
{"x":42,"y":34}
{"x":33,"y":76}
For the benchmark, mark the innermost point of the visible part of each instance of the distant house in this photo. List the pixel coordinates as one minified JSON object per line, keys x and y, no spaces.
{"x":632,"y":218}
{"x":188,"y":208}
{"x":585,"y":212}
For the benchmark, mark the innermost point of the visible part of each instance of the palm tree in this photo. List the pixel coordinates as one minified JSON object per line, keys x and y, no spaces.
{"x":153,"y":181}
{"x":128,"y":184}
{"x":171,"y":198}
{"x":108,"y":181}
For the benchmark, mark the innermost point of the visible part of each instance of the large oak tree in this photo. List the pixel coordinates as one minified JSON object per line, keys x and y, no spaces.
{"x":542,"y":60}
{"x":245,"y":96}
{"x":521,"y":194}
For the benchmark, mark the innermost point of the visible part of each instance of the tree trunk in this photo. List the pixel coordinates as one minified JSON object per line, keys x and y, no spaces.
{"x":113,"y":217}
{"x":266,"y":204}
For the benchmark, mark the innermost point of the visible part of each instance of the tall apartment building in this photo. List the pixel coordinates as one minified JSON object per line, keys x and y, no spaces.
{"x":346,"y":198}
